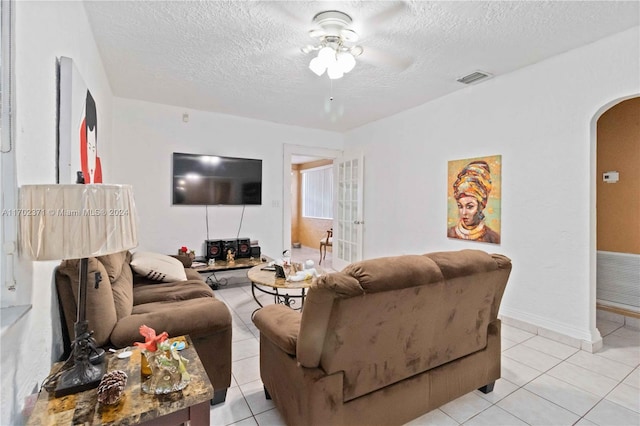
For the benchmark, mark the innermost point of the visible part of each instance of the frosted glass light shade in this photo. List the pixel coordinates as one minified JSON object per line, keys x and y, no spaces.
{"x":346,"y":61}
{"x":336,"y":63}
{"x":335,"y":71}
{"x":317,"y":66}
{"x":327,"y":56}
{"x":76,"y":221}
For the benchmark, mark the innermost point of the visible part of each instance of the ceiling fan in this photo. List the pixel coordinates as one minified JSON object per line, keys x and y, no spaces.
{"x":336,"y":52}
{"x":337,"y":48}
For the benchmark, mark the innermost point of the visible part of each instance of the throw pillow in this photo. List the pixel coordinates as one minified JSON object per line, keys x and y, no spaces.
{"x":158,"y":267}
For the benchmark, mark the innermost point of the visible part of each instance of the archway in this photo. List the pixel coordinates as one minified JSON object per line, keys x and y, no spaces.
{"x":604,"y":247}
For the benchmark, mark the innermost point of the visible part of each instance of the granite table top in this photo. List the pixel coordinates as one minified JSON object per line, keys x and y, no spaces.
{"x":134,"y":407}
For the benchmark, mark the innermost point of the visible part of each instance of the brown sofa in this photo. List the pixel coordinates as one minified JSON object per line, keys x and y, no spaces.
{"x":385,"y":340}
{"x":123,"y":301}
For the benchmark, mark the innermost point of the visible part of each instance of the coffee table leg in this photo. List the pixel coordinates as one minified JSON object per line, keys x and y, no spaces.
{"x":287,"y":300}
{"x":253,"y":292}
{"x":199,"y":414}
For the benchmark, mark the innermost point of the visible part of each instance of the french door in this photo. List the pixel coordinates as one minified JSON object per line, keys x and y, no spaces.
{"x":348,"y":222}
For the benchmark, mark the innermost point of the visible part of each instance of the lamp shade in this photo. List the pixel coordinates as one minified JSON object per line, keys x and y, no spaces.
{"x":76,"y":221}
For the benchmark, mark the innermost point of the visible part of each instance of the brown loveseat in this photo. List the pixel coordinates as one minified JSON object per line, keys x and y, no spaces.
{"x":124,"y":301}
{"x":385,"y":340}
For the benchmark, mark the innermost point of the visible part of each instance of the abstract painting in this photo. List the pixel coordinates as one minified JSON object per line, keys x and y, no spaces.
{"x":78,"y":158}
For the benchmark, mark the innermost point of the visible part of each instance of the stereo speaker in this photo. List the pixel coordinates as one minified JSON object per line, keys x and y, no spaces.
{"x":255,"y":252}
{"x":215,"y":249}
{"x":244,"y":248}
{"x":230,"y":245}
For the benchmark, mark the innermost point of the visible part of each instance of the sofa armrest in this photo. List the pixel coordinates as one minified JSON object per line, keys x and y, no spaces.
{"x":280,"y":324}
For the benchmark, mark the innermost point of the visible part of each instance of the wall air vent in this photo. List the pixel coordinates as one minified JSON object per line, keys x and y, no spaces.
{"x":474,"y":77}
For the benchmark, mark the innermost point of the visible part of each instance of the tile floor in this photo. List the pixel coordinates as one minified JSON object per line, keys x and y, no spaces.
{"x":543,"y":382}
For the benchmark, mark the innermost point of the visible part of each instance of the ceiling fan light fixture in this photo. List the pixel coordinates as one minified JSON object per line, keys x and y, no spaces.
{"x":327,"y":56}
{"x":307,"y":49}
{"x":356,"y":50}
{"x":333,"y":55}
{"x":349,"y":35}
{"x":346,"y":61}
{"x":317,"y":66}
{"x":317,"y":33}
{"x":335,"y":71}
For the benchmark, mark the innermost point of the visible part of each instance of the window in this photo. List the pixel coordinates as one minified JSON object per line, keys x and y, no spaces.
{"x":317,"y":192}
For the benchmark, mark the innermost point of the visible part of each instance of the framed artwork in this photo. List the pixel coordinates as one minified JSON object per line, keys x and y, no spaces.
{"x":474,"y":187}
{"x":77,"y":128}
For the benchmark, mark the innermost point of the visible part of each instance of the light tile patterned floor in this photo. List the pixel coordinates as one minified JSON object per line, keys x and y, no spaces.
{"x":543,"y":382}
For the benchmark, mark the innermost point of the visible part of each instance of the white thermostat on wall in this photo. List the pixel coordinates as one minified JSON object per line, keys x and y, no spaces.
{"x":610,"y":177}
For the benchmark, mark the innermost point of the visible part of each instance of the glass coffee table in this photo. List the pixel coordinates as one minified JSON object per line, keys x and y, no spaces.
{"x":265,"y":281}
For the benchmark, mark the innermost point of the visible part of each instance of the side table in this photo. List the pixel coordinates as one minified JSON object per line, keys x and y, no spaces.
{"x":136,"y":407}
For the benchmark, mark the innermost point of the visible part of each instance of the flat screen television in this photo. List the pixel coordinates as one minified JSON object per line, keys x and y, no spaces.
{"x":211,"y":180}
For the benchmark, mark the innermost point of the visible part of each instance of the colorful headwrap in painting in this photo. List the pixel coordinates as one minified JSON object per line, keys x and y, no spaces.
{"x":474,"y":180}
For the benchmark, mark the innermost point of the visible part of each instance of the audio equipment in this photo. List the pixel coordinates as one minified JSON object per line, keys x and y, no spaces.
{"x":241,"y":248}
{"x":229,"y":245}
{"x":244,"y":248}
{"x":215,"y":249}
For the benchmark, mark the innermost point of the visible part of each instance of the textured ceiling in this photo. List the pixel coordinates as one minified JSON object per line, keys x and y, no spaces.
{"x":243,"y":57}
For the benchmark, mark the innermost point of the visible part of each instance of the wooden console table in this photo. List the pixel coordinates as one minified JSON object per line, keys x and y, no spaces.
{"x":221,"y":265}
{"x":136,"y":407}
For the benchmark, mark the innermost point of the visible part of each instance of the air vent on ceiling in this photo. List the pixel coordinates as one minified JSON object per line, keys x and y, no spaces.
{"x":474,"y":77}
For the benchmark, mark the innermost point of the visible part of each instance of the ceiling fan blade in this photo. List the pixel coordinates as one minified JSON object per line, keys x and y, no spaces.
{"x":280,"y":7}
{"x":396,"y":8}
{"x":383,"y":59}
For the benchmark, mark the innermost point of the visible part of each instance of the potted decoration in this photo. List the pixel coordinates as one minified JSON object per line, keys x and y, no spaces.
{"x":167,"y":366}
{"x":184,"y":251}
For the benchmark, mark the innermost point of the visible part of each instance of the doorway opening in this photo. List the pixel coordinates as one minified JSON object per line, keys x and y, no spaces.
{"x":616,"y":249}
{"x":306,"y":228}
{"x":311,"y":209}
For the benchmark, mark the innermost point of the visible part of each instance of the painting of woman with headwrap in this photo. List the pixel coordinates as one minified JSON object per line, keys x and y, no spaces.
{"x":474,"y":199}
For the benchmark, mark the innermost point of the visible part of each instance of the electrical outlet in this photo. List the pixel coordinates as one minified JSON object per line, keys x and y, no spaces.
{"x":275,"y":203}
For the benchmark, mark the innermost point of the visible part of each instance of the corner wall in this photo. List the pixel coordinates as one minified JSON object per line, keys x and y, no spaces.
{"x":539,"y":119}
{"x":44,"y":31}
{"x":146,"y":135}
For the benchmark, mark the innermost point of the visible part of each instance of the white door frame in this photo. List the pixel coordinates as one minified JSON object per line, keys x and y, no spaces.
{"x":288,"y":152}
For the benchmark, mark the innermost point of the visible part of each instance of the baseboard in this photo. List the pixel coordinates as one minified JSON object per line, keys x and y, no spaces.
{"x":577,"y":338}
{"x":618,"y":310}
{"x":612,"y":314}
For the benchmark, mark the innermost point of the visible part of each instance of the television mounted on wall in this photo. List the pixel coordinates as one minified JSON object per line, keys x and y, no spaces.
{"x":202,"y":179}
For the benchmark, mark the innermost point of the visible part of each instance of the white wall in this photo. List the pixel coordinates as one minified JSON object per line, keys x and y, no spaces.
{"x":540,"y":120}
{"x":146,"y":135}
{"x":44,"y":32}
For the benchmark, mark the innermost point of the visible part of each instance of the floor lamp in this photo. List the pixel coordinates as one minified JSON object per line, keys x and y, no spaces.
{"x":77,"y":222}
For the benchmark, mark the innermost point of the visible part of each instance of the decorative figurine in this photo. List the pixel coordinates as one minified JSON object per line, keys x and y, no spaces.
{"x":230,"y":257}
{"x":168,"y":372}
